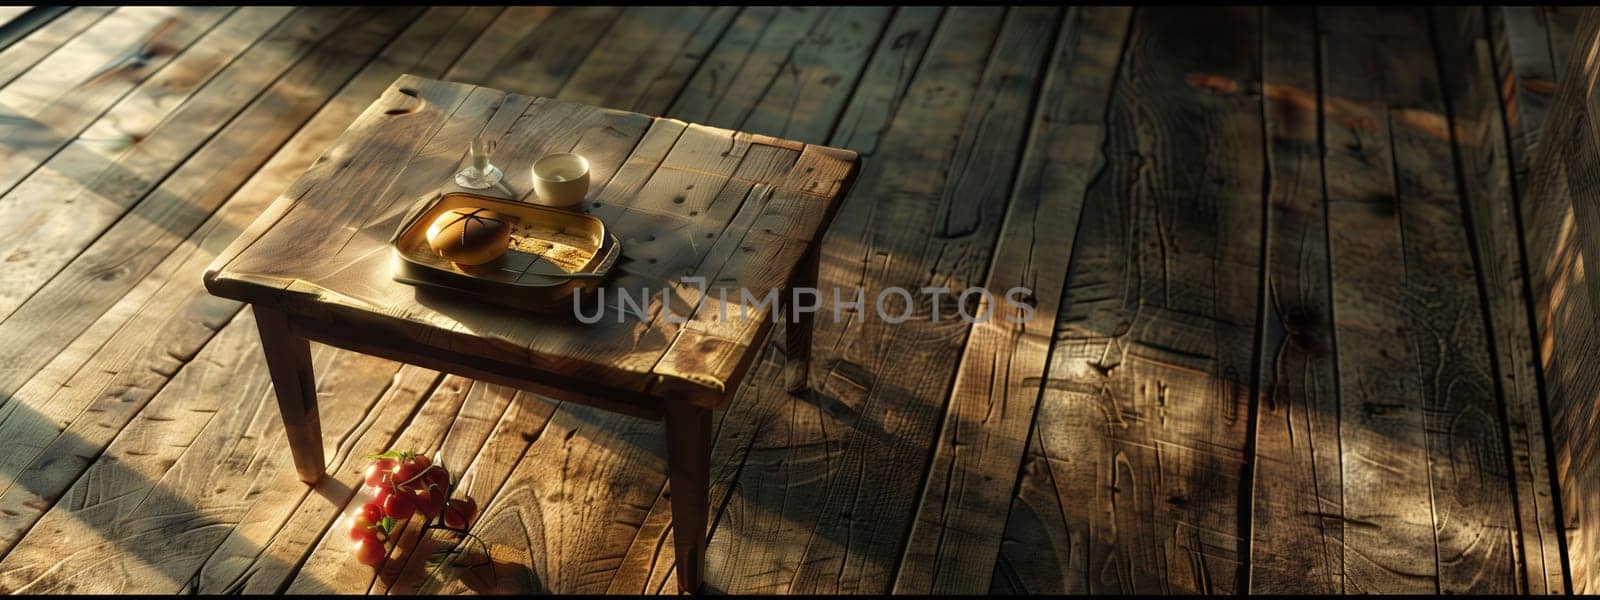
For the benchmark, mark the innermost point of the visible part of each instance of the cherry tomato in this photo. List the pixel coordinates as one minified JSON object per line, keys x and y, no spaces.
{"x":373,"y":511}
{"x":370,"y":550}
{"x":366,"y":520}
{"x":400,"y":505}
{"x":360,"y":526}
{"x":430,"y":501}
{"x":458,"y":512}
{"x":378,"y":471}
{"x":421,"y":461}
{"x":437,"y":477}
{"x":406,"y":472}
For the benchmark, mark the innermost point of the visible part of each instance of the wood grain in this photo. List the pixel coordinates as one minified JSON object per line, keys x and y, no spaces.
{"x":1527,"y":77}
{"x":523,"y":422}
{"x":1388,"y":509}
{"x":123,"y":155}
{"x":1430,"y":399}
{"x":1296,"y":500}
{"x":1143,"y":424}
{"x":84,"y":222}
{"x":883,"y":82}
{"x":105,"y":377}
{"x":728,"y":81}
{"x":1004,"y":361}
{"x":547,"y":52}
{"x":184,"y":199}
{"x":1491,"y":212}
{"x":1559,"y":225}
{"x":457,"y":417}
{"x":1167,"y":279}
{"x":272,"y":537}
{"x":24,"y":52}
{"x":638,"y":63}
{"x":768,"y":439}
{"x":497,"y":40}
{"x":60,"y":95}
{"x":805,"y":96}
{"x":170,"y":489}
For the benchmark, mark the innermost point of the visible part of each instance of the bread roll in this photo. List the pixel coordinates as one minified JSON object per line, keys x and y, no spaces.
{"x":469,"y":236}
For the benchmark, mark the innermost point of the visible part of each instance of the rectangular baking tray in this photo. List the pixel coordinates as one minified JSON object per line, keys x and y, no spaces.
{"x":554,"y":253}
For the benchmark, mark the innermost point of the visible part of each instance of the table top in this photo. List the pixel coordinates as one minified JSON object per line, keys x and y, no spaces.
{"x":738,"y":209}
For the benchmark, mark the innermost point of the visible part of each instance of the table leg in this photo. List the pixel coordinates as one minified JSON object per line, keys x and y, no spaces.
{"x":289,"y":363}
{"x":798,"y":326}
{"x":689,"y":478}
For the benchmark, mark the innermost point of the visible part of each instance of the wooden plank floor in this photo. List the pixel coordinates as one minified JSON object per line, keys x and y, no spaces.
{"x":1280,"y":339}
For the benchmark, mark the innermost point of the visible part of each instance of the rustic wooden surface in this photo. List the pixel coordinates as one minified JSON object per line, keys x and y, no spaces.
{"x":732,"y":208}
{"x":1559,"y":227}
{"x":1308,"y":282}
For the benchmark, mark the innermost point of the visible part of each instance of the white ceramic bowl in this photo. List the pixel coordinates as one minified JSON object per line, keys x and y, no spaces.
{"x":561,"y":179}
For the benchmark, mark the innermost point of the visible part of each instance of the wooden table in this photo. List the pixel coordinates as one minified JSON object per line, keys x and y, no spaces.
{"x":743,"y":211}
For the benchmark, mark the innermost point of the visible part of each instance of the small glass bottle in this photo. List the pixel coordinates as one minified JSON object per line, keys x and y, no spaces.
{"x":479,"y":174}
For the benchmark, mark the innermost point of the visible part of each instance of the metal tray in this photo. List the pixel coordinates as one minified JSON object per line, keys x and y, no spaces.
{"x":554,"y":253}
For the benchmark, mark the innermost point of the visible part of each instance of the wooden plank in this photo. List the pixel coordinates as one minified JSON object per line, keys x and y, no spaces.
{"x":1475,"y":520}
{"x":641,"y":61}
{"x":267,"y":545}
{"x":1559,"y":226}
{"x":957,"y":531}
{"x":170,"y":489}
{"x":732,"y":77}
{"x":855,"y":550}
{"x":573,"y":501}
{"x":658,"y":96}
{"x":779,"y":223}
{"x":52,"y":102}
{"x":774,"y":449}
{"x":186,"y":315}
{"x":809,"y":90}
{"x":1469,"y":77}
{"x":467,"y":28}
{"x":127,"y":151}
{"x":1562,"y":24}
{"x":1295,"y":491}
{"x":16,"y":22}
{"x":487,"y":49}
{"x":784,"y":71}
{"x":180,"y":310}
{"x":550,"y":51}
{"x":133,"y":247}
{"x":1387,"y":506}
{"x":23,"y":54}
{"x":456,"y":436}
{"x":180,"y":306}
{"x":8,"y":17}
{"x":1527,"y":77}
{"x":1143,"y":423}
{"x":1423,"y":449}
{"x":884,"y":81}
{"x":487,"y":469}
